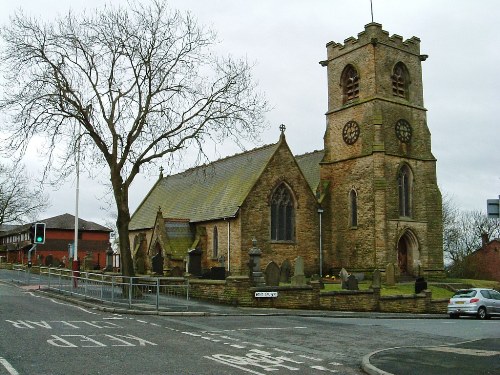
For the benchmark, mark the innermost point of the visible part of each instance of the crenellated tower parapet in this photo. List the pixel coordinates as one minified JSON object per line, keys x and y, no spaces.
{"x":373,"y":34}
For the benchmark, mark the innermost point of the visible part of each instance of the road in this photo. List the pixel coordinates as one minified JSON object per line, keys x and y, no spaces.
{"x":42,"y":335}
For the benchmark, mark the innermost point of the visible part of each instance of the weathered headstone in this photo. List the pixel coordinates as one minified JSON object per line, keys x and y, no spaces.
{"x":344,"y":275}
{"x":272,"y":274}
{"x":298,"y":277}
{"x":420,"y":285}
{"x":175,"y":272}
{"x":157,"y":261}
{"x":390,"y":277}
{"x":140,"y":265}
{"x":285,"y":271}
{"x":49,"y":260}
{"x":352,"y":283}
{"x":218,"y":273}
{"x":194,"y":263}
{"x":254,"y":264}
{"x":376,"y":280}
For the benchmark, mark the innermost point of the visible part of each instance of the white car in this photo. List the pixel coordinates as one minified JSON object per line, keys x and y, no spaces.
{"x":480,"y":302}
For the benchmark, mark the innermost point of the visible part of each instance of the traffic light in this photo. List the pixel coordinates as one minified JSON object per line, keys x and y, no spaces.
{"x":39,"y":233}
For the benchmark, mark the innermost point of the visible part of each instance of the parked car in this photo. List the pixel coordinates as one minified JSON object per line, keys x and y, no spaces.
{"x":480,"y":302}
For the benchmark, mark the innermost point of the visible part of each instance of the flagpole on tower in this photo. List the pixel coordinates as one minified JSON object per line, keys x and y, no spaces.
{"x":371,"y":8}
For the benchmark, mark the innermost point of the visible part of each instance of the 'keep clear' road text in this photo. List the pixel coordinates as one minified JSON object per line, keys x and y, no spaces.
{"x":82,"y":341}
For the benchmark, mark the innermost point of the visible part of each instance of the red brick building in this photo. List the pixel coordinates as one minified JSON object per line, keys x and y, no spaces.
{"x":93,"y":239}
{"x":484,"y":263}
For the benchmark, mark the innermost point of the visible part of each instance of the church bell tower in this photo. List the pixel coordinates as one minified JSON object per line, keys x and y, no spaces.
{"x":378,"y":174}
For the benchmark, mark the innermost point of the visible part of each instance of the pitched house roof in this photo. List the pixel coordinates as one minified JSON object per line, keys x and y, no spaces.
{"x":216,"y":190}
{"x":61,"y":222}
{"x":67,"y":221}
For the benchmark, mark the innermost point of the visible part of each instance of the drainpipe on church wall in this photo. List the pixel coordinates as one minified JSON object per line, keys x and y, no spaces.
{"x":228,"y":245}
{"x":320,"y":212}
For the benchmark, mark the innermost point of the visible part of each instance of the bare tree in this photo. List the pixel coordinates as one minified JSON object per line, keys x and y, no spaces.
{"x":464,"y":232}
{"x":21,"y":200}
{"x":142,"y":84}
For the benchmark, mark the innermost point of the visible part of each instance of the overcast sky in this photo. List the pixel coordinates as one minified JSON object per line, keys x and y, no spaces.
{"x":286,"y":39}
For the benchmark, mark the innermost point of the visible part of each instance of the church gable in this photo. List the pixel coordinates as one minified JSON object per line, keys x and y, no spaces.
{"x":280,"y":212}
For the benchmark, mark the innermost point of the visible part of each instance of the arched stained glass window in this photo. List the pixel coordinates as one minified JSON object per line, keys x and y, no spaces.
{"x":282,"y":214}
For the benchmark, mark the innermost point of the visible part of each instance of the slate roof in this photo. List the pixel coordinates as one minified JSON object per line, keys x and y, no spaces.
{"x":309,"y":164}
{"x":64,"y":222}
{"x":207,"y":192}
{"x":67,"y":221}
{"x":216,"y":190}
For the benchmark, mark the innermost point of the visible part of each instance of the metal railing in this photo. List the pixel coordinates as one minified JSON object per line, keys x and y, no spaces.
{"x":140,"y":292}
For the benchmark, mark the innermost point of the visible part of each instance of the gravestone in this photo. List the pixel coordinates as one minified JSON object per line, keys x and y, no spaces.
{"x":176,"y":272}
{"x":390,"y":274}
{"x":285,"y":271}
{"x":157,"y":261}
{"x":376,"y":280}
{"x":352,"y":283}
{"x":420,"y":285}
{"x":254,"y":264}
{"x":344,"y":275}
{"x":298,"y":277}
{"x":217,"y":273}
{"x":194,"y":263}
{"x":49,"y":259}
{"x":140,"y":265}
{"x":272,"y":274}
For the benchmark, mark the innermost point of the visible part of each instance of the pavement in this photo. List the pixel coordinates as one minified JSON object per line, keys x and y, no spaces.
{"x":478,"y":356}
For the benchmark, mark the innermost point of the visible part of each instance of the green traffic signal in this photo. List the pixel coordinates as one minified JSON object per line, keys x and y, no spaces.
{"x":39,"y":233}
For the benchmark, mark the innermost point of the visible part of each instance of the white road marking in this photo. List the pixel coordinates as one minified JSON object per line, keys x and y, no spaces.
{"x":474,"y":352}
{"x":321,"y":368}
{"x":283,"y":351}
{"x":235,"y":366}
{"x":63,"y":303}
{"x":8,"y":366}
{"x":311,"y":358}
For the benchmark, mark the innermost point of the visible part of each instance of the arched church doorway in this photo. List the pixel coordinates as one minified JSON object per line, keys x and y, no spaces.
{"x":408,"y":254}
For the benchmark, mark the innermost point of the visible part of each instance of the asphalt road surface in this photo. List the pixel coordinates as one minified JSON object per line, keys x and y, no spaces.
{"x":43,"y":335}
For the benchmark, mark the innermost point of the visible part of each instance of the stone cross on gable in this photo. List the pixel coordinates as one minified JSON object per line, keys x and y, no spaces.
{"x":282,"y":128}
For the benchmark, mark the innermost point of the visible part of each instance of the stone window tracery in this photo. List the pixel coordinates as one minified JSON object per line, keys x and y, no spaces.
{"x":405,"y":182}
{"x":282,"y":214}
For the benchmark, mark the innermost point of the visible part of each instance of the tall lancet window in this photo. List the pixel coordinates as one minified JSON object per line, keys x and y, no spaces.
{"x":353,"y":208}
{"x":215,"y":244}
{"x":405,"y":182}
{"x":282,"y":214}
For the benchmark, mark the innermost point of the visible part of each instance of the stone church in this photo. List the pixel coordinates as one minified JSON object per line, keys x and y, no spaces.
{"x":368,"y":199}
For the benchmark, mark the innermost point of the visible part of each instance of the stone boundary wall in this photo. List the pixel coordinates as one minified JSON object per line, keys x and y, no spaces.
{"x":238,"y":291}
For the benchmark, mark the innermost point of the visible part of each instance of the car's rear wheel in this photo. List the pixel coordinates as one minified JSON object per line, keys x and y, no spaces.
{"x":454,"y":316}
{"x":481,"y":313}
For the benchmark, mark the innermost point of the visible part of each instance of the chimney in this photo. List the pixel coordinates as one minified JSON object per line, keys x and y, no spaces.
{"x":484,"y":239}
